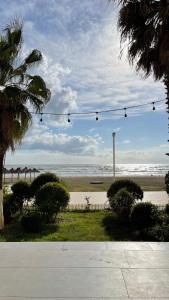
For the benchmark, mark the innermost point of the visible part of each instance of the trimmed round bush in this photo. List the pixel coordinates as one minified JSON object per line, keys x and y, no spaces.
{"x":167,"y":182}
{"x":42,"y":179}
{"x":21,"y":190}
{"x":11,"y":206}
{"x":122,"y":203}
{"x":158,"y":233}
{"x":132,"y":187}
{"x":167,"y":209}
{"x":32,"y":222}
{"x":7,"y":208}
{"x":51,"y":198}
{"x":144,"y":215}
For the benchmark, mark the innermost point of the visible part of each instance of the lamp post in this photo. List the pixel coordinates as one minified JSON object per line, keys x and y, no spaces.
{"x":114,"y":158}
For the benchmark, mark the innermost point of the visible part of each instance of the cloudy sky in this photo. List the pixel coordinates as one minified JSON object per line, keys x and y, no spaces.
{"x":82,"y":67}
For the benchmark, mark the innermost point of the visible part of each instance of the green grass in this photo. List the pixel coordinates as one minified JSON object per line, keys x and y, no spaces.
{"x":73,"y":226}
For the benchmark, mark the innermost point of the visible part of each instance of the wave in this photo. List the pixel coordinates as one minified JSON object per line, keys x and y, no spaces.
{"x":102,"y":170}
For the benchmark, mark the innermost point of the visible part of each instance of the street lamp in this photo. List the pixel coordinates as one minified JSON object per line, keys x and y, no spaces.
{"x":114,"y":159}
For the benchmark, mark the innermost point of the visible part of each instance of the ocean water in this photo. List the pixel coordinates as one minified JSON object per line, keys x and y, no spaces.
{"x":101,"y":170}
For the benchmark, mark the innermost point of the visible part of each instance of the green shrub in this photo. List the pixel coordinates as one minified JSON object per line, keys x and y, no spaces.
{"x":132,"y":187}
{"x":32,"y":222}
{"x":144,"y":215}
{"x":122,"y":203}
{"x":11,"y":207}
{"x":158,"y":233}
{"x":167,"y":209}
{"x":42,"y":179}
{"x":21,"y":189}
{"x":7,"y":208}
{"x":21,"y":192}
{"x":51,"y":198}
{"x":167,"y":182}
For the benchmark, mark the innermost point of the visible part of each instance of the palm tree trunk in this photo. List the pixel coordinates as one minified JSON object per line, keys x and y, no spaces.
{"x":1,"y":191}
{"x":166,"y":82}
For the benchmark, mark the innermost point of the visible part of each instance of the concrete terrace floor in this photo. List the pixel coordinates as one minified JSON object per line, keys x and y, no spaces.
{"x":84,"y":270}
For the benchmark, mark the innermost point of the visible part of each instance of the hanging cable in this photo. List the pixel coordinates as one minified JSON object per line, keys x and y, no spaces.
{"x":101,"y":111}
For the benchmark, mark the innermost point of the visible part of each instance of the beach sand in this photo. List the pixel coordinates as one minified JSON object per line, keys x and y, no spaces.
{"x":83,"y":184}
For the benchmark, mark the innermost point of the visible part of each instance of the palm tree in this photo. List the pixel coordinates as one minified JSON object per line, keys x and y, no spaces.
{"x":145,"y":26}
{"x":18,"y":88}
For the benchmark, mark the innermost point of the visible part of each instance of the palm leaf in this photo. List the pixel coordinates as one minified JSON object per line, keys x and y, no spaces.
{"x":33,"y":58}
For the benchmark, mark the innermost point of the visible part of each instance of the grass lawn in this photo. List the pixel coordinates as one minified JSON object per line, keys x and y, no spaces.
{"x":73,"y":226}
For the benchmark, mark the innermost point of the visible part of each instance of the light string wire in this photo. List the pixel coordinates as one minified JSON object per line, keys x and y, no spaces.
{"x":99,"y":112}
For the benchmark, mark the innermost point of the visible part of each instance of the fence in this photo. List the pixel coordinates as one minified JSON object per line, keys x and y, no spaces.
{"x":84,"y":207}
{"x":96,"y":207}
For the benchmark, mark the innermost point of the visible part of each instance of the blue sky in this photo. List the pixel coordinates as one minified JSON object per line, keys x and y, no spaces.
{"x":81,"y":65}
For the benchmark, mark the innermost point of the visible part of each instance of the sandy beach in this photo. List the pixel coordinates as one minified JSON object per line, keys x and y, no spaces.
{"x":83,"y":184}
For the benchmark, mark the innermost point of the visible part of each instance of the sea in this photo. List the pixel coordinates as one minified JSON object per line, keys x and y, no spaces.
{"x":77,"y":170}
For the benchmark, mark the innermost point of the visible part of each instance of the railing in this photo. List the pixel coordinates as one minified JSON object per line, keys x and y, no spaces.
{"x":83,"y":207}
{"x":94,"y":207}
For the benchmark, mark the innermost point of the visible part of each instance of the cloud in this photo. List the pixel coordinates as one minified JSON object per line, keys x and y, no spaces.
{"x":81,"y":47}
{"x":44,"y":139}
{"x":126,"y":142}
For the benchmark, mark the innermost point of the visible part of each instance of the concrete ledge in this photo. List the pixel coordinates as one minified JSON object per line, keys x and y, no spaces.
{"x":84,"y":270}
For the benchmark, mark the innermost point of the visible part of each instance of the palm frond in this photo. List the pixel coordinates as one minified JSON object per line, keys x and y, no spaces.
{"x":33,"y":58}
{"x":20,"y":88}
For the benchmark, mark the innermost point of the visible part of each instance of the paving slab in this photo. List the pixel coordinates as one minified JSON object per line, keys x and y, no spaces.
{"x":67,"y":282}
{"x":147,"y":283}
{"x":148,"y":259}
{"x":84,"y":246}
{"x":84,"y":270}
{"x":63,"y":259}
{"x":159,"y":246}
{"x":128,"y":246}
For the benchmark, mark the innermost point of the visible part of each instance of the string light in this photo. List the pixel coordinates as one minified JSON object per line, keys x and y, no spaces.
{"x":125,"y":114}
{"x":101,"y":111}
{"x":153,"y":105}
{"x":41,"y":120}
{"x":68,"y":118}
{"x":97,"y":118}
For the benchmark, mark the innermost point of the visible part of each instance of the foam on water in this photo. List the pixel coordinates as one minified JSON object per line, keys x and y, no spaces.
{"x":102,"y":170}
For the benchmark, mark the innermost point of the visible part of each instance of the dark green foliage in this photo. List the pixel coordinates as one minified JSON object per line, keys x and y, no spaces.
{"x":11,"y":207}
{"x":32,"y":222}
{"x":51,"y":198}
{"x":167,"y":182}
{"x":129,"y":185}
{"x":7,"y":208}
{"x":144,"y":215}
{"x":157,"y":233}
{"x":42,"y":179}
{"x":21,"y":190}
{"x":122,"y":203}
{"x":167,"y":209}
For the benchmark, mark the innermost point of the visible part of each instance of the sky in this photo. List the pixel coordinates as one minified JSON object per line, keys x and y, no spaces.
{"x":82,"y":66}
